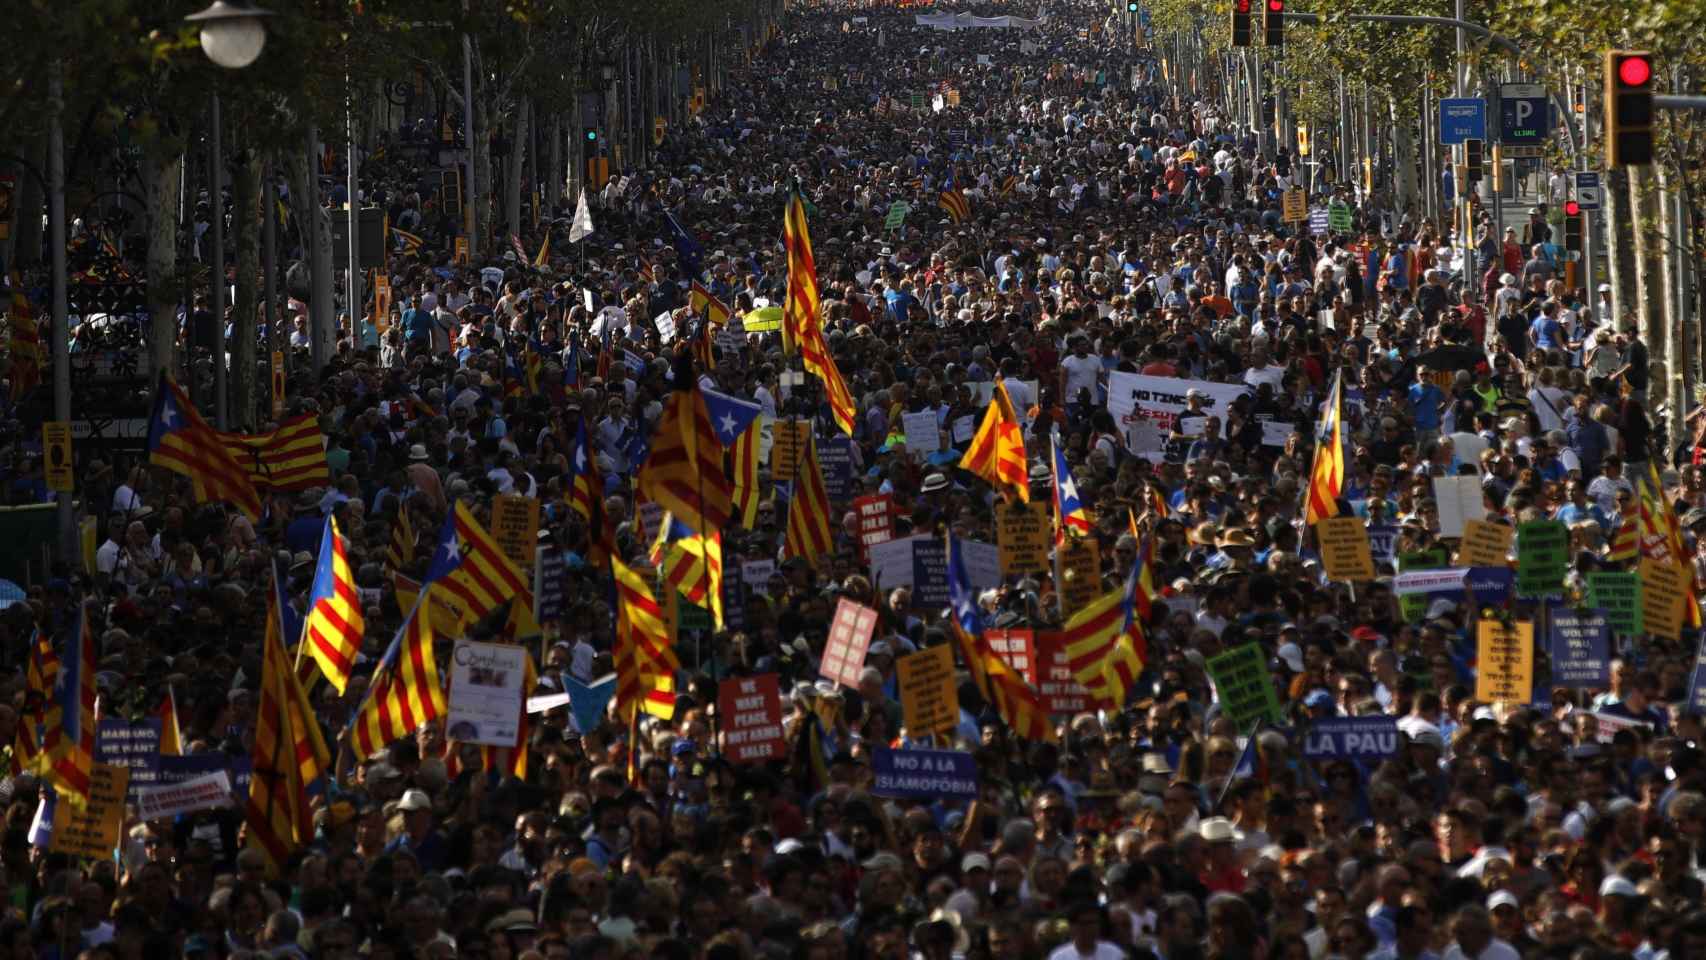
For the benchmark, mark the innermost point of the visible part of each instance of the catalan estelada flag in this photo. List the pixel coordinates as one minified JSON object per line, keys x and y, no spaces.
{"x":182,"y":442}
{"x":405,"y":693}
{"x":41,"y":675}
{"x":810,"y":533}
{"x":1106,"y":644}
{"x":409,"y":242}
{"x":996,"y":452}
{"x":25,"y":342}
{"x":1013,"y":698}
{"x":684,"y":472}
{"x":333,"y":627}
{"x":1327,"y":477}
{"x":802,"y":319}
{"x":289,"y":754}
{"x":646,"y":662}
{"x":1069,"y":515}
{"x":67,"y":757}
{"x":468,"y":566}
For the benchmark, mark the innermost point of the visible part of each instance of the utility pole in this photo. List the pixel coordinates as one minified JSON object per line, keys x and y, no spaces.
{"x":468,"y":135}
{"x":216,"y":298}
{"x":60,"y":327}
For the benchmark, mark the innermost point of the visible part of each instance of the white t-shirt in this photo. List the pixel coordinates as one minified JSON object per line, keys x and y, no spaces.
{"x":1496,"y":949}
{"x":1270,"y":375}
{"x":1104,"y":951}
{"x":1081,"y":374}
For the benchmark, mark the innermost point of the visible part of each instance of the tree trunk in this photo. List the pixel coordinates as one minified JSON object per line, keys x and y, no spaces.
{"x":1669,"y":268}
{"x":317,"y":246}
{"x":32,"y":206}
{"x":1649,"y":310}
{"x":1616,"y":201}
{"x":161,"y":169}
{"x":554,"y":167}
{"x":512,"y":184}
{"x":245,"y":236}
{"x":1403,"y":172}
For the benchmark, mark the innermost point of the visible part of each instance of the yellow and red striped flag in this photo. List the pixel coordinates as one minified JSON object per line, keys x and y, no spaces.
{"x":334,"y":625}
{"x":67,"y":756}
{"x":1327,"y":477}
{"x":1626,"y":543}
{"x":1105,"y":642}
{"x":289,"y":754}
{"x":646,"y":661}
{"x":24,"y":345}
{"x":684,"y":472}
{"x":182,"y":442}
{"x":997,"y":451}
{"x":692,"y":564}
{"x":744,"y":491}
{"x":401,"y":553}
{"x":1014,"y":699}
{"x":810,"y":535}
{"x":702,"y":302}
{"x":41,"y":673}
{"x":405,"y":693}
{"x":293,"y":457}
{"x":470,"y":569}
{"x":802,"y":316}
{"x":171,"y":735}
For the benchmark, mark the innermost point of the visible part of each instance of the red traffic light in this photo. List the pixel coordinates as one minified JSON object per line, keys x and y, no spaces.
{"x":1243,"y":6}
{"x":1276,"y":6}
{"x":1635,"y":71}
{"x":1572,"y":208}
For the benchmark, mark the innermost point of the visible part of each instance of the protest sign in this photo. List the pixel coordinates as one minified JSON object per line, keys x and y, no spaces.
{"x":835,"y":460}
{"x":550,"y":566}
{"x":1134,"y":396}
{"x":1542,"y":558}
{"x":1018,"y":648}
{"x":788,"y":441}
{"x":1352,"y":738}
{"x":750,"y":718}
{"x":94,"y":830}
{"x":891,"y":563}
{"x":134,"y":746}
{"x":1022,"y":535}
{"x":1504,"y":661}
{"x":964,"y":428}
{"x":758,"y":573}
{"x":180,"y":769}
{"x":921,"y":563}
{"x":849,"y":637}
{"x":1607,"y":725}
{"x":1618,"y":596}
{"x":734,"y":599}
{"x":1485,"y":544}
{"x":515,"y":526}
{"x":206,"y":792}
{"x":1579,"y":644}
{"x":1460,"y":501}
{"x":928,"y":774}
{"x":929,"y":701}
{"x":1244,"y":686}
{"x":1080,"y":574}
{"x":1414,"y":606}
{"x":1056,"y":684}
{"x":1383,"y":543}
{"x":929,"y":572}
{"x":1275,"y":433}
{"x":650,"y":514}
{"x":876,"y":520}
{"x":1345,"y":552}
{"x":923,"y":436}
{"x":1662,"y":598}
{"x":485,"y":692}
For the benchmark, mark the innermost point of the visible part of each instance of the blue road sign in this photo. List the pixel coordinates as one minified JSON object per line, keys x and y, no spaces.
{"x":1587,"y":189}
{"x":1524,"y":119}
{"x":1462,"y":118}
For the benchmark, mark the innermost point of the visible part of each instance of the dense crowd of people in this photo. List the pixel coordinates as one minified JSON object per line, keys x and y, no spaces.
{"x":1113,"y":228}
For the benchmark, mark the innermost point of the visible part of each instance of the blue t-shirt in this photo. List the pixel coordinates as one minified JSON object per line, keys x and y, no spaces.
{"x":1426,"y":400}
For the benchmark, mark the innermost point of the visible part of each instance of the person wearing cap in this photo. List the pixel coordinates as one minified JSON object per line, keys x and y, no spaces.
{"x":420,"y":835}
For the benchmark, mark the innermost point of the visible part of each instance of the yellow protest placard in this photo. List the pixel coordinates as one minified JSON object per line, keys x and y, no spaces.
{"x":56,"y":455}
{"x":1662,"y":597}
{"x":1345,"y":551}
{"x":1080,"y":574}
{"x":1485,"y":544}
{"x":93,"y":831}
{"x":1504,"y":666}
{"x":929,"y":701}
{"x":1022,"y":534}
{"x":461,"y":257}
{"x":788,"y":447}
{"x":515,"y":526}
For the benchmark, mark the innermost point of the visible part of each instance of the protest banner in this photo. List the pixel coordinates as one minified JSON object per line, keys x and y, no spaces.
{"x":921,"y":563}
{"x":180,"y":769}
{"x":485,"y":692}
{"x":1485,"y":544}
{"x":1504,"y":661}
{"x":1618,"y":595}
{"x":1352,"y":738}
{"x":1345,"y":551}
{"x":929,"y":700}
{"x":1608,"y":725}
{"x":1135,"y":396}
{"x":1080,"y":573}
{"x":94,"y":830}
{"x":515,"y":526}
{"x":788,"y":441}
{"x":1662,"y":597}
{"x":207,"y":792}
{"x":1244,"y":686}
{"x":876,"y":519}
{"x":926,"y":774}
{"x":1413,"y":607}
{"x":1579,"y":645}
{"x":1542,"y":558}
{"x":1022,"y":535}
{"x":1018,"y":648}
{"x":134,"y":746}
{"x":849,"y":637}
{"x":1052,"y":675}
{"x":750,"y":718}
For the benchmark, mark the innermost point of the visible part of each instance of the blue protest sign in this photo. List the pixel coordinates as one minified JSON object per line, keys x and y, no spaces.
{"x":1580,"y":647}
{"x":928,"y":774}
{"x":1382,"y":542}
{"x":133,"y":745}
{"x":835,"y":459}
{"x":929,"y":573}
{"x":1352,"y":738}
{"x":1462,"y":118}
{"x":1491,"y":585}
{"x":552,"y":566}
{"x":734,"y":598}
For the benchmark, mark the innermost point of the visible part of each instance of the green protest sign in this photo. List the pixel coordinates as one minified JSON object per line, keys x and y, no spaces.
{"x":1339,"y":217}
{"x":897,"y":215}
{"x":1619,"y":596}
{"x":1414,"y":605}
{"x":1542,"y":558}
{"x":1245,"y":687}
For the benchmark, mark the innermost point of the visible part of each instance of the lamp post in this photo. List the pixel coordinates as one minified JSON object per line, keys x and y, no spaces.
{"x":233,"y":34}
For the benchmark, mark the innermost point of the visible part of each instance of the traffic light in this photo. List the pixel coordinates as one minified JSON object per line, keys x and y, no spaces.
{"x":1268,"y":111}
{"x":1273,"y":25}
{"x":1240,"y":23}
{"x":1472,"y":161}
{"x":1572,"y":226}
{"x":590,"y":135}
{"x":1131,"y":7}
{"x":1628,"y":108}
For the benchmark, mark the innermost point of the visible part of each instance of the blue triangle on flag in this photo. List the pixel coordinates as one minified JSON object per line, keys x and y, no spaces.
{"x":730,"y":416}
{"x":588,"y":700}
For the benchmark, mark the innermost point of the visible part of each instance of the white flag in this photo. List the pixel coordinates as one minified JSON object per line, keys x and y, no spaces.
{"x":582,"y":227}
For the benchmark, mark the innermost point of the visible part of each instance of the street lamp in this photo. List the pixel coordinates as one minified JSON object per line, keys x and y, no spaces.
{"x":232,"y":32}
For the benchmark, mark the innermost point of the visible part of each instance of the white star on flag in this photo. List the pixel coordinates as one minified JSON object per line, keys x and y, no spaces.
{"x":726,"y":426}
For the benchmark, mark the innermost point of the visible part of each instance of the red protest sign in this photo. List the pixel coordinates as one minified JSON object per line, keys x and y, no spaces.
{"x":750,"y":709}
{"x":876,"y":520}
{"x":1060,"y":692}
{"x":849,"y":638}
{"x":1018,"y":648}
